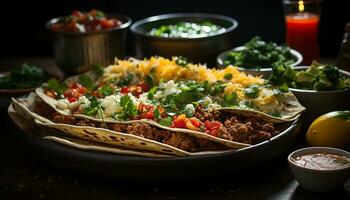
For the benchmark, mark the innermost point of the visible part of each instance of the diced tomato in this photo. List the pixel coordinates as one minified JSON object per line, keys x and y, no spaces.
{"x":146,"y":111}
{"x":195,"y":122}
{"x":180,"y":121}
{"x":144,"y":86}
{"x":161,"y":111}
{"x":212,"y":127}
{"x":72,"y":99}
{"x":124,"y":90}
{"x":136,"y":90}
{"x":107,"y":23}
{"x":148,"y":115}
{"x":51,"y":93}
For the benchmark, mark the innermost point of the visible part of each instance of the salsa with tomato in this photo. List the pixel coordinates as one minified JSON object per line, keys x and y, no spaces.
{"x":84,"y":22}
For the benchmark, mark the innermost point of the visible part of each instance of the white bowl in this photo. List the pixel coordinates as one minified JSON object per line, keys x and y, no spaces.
{"x":319,"y":180}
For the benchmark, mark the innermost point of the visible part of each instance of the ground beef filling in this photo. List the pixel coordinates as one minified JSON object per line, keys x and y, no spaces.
{"x":234,"y":128}
{"x":179,"y":140}
{"x":239,"y":129}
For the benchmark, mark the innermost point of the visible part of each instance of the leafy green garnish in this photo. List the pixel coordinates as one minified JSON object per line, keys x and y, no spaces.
{"x":216,"y":88}
{"x":260,"y":54}
{"x":252,"y":91}
{"x":129,"y":109}
{"x":167,"y":121}
{"x":149,"y":80}
{"x":316,"y":77}
{"x":106,"y":90}
{"x":54,"y":85}
{"x":86,"y":81}
{"x":228,"y":76}
{"x":98,"y":70}
{"x":94,"y":106}
{"x":230,"y":99}
{"x":125,"y":80}
{"x":151,"y":92}
{"x":182,"y":61}
{"x":156,"y":114}
{"x":25,"y":76}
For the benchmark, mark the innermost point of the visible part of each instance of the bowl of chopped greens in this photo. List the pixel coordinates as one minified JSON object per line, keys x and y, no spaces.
{"x":21,"y":80}
{"x":197,"y":36}
{"x":321,"y":88}
{"x":257,"y":57}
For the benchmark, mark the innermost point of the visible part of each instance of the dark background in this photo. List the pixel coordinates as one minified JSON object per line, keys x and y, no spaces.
{"x":24,"y":34}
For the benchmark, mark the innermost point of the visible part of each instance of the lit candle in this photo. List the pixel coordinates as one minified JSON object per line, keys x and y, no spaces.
{"x":301,"y":33}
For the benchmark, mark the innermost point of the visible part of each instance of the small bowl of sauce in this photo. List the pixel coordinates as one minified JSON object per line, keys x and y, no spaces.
{"x":320,"y":169}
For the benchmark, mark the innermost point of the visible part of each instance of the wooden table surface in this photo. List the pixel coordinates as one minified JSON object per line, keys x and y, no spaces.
{"x":24,"y":177}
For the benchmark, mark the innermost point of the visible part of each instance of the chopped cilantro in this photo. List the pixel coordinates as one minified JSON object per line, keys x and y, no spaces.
{"x":125,"y":80}
{"x":156,"y":114}
{"x":86,"y":81}
{"x":151,"y":92}
{"x":182,"y":61}
{"x":53,"y":84}
{"x":228,"y":76}
{"x":167,"y":121}
{"x":230,"y":99}
{"x":98,"y":70}
{"x":106,"y":90}
{"x":252,"y":91}
{"x":149,"y":79}
{"x":129,"y":109}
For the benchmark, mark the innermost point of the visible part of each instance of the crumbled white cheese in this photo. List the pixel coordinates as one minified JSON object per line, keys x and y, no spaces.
{"x":135,"y":101}
{"x":144,"y":98}
{"x":62,"y":104}
{"x":111,"y":105}
{"x":169,"y":88}
{"x":189,"y":108}
{"x":214,"y":105}
{"x":84,"y":102}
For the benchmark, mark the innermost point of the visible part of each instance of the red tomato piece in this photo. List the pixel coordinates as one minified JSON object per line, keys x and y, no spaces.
{"x":124,"y":90}
{"x":212,"y":127}
{"x":144,"y":86}
{"x":72,"y":99}
{"x":107,"y":23}
{"x":179,"y":122}
{"x":195,"y":122}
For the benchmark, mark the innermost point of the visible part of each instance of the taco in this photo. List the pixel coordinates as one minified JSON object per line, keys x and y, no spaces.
{"x":139,"y":134}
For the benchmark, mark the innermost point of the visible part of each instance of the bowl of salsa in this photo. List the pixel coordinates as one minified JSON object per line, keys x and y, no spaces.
{"x":83,"y":39}
{"x":320,"y":169}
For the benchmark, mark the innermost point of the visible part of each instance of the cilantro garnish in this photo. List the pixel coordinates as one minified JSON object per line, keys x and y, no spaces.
{"x":53,"y":84}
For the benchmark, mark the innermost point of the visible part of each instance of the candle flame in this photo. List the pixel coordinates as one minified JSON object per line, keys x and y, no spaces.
{"x":301,"y":6}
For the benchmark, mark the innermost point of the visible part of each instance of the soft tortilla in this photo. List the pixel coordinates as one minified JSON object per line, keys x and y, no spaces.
{"x":24,"y":106}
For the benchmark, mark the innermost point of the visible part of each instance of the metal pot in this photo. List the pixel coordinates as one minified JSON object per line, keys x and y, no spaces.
{"x":77,"y":52}
{"x":198,"y":50}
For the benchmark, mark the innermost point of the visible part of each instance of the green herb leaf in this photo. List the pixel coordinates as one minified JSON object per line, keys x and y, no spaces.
{"x":151,"y":92}
{"x":149,"y":79}
{"x":125,"y":80}
{"x":167,"y":121}
{"x":129,"y":109}
{"x":106,"y":90}
{"x":94,"y":106}
{"x":53,"y":84}
{"x":228,"y":76}
{"x":230,"y":99}
{"x":98,"y":70}
{"x":252,"y":91}
{"x":156,"y":114}
{"x":182,"y":61}
{"x":86,"y":81}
